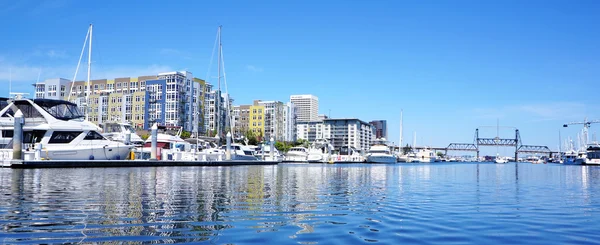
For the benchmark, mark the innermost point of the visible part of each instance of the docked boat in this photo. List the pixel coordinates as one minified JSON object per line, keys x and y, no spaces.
{"x":118,"y":132}
{"x":570,"y":158}
{"x":347,"y":154}
{"x":380,"y":152}
{"x":169,"y":145}
{"x":425,"y":155}
{"x":56,"y":130}
{"x":265,"y":154}
{"x":240,"y":152}
{"x":297,"y":154}
{"x":319,"y":152}
{"x":501,"y":159}
{"x":591,"y":156}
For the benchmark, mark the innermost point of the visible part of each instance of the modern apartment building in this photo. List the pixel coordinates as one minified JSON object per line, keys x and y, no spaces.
{"x":380,"y":128}
{"x":339,"y":132}
{"x":307,"y":107}
{"x":290,"y":117}
{"x":216,"y":116}
{"x":241,"y":117}
{"x":171,"y":98}
{"x":257,"y":120}
{"x":274,"y":125}
{"x":310,"y":131}
{"x":348,"y":131}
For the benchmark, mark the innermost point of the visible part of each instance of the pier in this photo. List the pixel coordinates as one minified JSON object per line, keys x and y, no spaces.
{"x":125,"y":163}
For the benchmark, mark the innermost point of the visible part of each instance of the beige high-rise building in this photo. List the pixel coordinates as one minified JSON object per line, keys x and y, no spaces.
{"x":307,"y":107}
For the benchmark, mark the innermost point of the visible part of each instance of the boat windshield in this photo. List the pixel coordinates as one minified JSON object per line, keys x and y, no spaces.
{"x":130,"y":129}
{"x":60,"y":109}
{"x":380,"y":151}
{"x":3,"y":103}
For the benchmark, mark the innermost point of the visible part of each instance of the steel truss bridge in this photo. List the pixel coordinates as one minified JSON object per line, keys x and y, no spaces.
{"x":515,"y":142}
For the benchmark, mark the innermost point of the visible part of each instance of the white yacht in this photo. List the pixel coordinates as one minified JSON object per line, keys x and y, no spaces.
{"x":57,"y":131}
{"x":240,"y":152}
{"x":265,"y":154}
{"x":500,"y":159}
{"x":297,"y":154}
{"x":347,"y":154}
{"x":425,"y":155}
{"x":380,"y":152}
{"x":118,"y":132}
{"x":591,"y":156}
{"x":169,"y":145}
{"x":319,"y":152}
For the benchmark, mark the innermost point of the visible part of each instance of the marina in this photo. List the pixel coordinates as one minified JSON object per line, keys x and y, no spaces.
{"x":456,"y":203}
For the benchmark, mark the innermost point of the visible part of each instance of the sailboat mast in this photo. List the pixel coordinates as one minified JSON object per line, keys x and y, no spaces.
{"x":89,"y":71}
{"x":218,"y":98}
{"x":400,"y":145}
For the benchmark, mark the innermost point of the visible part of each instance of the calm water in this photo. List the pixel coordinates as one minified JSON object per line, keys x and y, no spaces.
{"x":304,"y":204}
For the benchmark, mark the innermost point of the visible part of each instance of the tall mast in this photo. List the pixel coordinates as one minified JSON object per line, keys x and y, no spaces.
{"x":400,"y":145}
{"x":89,"y":71}
{"x":218,"y":98}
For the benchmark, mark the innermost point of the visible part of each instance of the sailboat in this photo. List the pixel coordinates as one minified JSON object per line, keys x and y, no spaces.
{"x":58,"y":130}
{"x":237,"y":151}
{"x":499,"y":159}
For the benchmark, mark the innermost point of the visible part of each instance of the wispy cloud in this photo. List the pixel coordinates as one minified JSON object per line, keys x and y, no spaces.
{"x":175,"y":52}
{"x":547,"y":111}
{"x":52,"y":53}
{"x":253,"y":68}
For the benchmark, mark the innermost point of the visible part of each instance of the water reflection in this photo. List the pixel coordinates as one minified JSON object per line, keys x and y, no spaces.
{"x":425,"y":203}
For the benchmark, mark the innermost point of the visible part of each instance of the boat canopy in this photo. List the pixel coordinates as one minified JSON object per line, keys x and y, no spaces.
{"x":60,"y":109}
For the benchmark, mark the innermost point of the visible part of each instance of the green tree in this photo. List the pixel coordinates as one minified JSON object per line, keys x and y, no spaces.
{"x":440,"y":154}
{"x":406,"y":149}
{"x":185,"y":134}
{"x":280,"y":146}
{"x":145,"y":136}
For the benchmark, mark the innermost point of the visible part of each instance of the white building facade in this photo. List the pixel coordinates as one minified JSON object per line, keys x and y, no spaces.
{"x":307,"y":107}
{"x":290,"y":117}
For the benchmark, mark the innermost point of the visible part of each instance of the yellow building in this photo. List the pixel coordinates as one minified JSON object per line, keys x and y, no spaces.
{"x":257,"y":120}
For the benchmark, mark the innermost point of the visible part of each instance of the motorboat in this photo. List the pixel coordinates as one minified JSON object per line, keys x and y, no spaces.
{"x":425,"y":155}
{"x":591,"y":156}
{"x":380,"y":152}
{"x":347,"y":154}
{"x":169,"y":145}
{"x":570,"y":158}
{"x":240,"y":152}
{"x":500,"y":159}
{"x":119,"y":131}
{"x":297,"y":154}
{"x":265,"y":154}
{"x":56,"y":130}
{"x":320,"y":151}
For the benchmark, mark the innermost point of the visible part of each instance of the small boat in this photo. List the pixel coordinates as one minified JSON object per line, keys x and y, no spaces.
{"x":425,"y":155}
{"x":118,"y":132}
{"x":319,"y":152}
{"x":265,"y":154}
{"x":297,"y":154}
{"x":347,"y":154}
{"x":570,"y":158}
{"x":501,"y":159}
{"x":380,"y":152}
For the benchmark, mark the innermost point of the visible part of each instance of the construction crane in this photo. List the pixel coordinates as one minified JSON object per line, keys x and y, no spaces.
{"x":586,"y":126}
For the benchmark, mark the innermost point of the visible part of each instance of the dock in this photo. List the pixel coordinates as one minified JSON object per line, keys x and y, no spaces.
{"x":126,"y":163}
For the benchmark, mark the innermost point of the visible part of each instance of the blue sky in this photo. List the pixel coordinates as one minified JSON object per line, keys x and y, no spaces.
{"x":452,"y":66}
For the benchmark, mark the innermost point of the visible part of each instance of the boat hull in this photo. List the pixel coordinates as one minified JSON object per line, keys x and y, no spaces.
{"x":381,"y":159}
{"x":82,"y":153}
